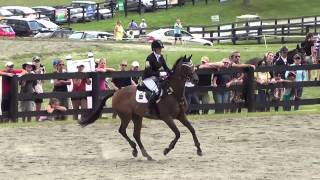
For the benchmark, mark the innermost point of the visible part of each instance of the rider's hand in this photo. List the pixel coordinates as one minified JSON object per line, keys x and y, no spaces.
{"x":163,"y":73}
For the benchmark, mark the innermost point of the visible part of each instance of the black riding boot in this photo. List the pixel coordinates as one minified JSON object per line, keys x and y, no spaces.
{"x":152,"y":103}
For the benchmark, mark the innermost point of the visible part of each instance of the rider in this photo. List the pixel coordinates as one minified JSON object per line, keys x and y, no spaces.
{"x":155,"y":67}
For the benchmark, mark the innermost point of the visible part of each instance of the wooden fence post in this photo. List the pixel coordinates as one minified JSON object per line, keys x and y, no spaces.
{"x":95,"y":89}
{"x":233,"y":34}
{"x":259,"y":35}
{"x":139,"y":7}
{"x":125,"y":8}
{"x":166,"y":4}
{"x":219,"y":34}
{"x":250,"y":86}
{"x":13,"y":111}
{"x":98,"y":8}
{"x":282,"y":34}
{"x":112,"y":6}
{"x":83,"y":18}
{"x":69,"y":16}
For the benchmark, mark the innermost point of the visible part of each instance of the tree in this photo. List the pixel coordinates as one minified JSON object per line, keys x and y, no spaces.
{"x":246,"y":2}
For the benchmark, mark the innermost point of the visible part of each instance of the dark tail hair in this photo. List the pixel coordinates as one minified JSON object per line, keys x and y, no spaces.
{"x":95,"y":114}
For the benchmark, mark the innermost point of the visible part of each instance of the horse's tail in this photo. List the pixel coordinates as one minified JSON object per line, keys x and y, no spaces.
{"x":84,"y":121}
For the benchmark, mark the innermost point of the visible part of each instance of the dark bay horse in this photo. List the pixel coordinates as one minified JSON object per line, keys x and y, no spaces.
{"x":171,"y":106}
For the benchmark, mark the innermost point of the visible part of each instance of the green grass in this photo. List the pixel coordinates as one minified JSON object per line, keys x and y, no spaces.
{"x":195,"y":15}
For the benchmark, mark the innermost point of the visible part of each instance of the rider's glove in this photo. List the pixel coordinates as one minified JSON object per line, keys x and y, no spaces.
{"x":163,"y":73}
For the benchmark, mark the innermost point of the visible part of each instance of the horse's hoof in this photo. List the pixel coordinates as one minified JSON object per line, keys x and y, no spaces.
{"x":199,"y":152}
{"x":134,"y":153}
{"x":149,"y":158}
{"x":166,"y":151}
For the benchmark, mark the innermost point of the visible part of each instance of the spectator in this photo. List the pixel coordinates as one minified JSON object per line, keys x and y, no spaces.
{"x":27,"y":86}
{"x":79,"y":85}
{"x":132,"y":25}
{"x":222,"y":80}
{"x":289,"y":93}
{"x":60,"y":85}
{"x":314,"y":75}
{"x":39,"y":69}
{"x":121,"y":82}
{"x":135,"y":66}
{"x":262,"y":78}
{"x":301,"y":75}
{"x":177,"y":31}
{"x":6,"y":74}
{"x":277,"y":92}
{"x":282,"y":60}
{"x":54,"y":106}
{"x":191,"y":98}
{"x":118,"y":31}
{"x":237,"y":79}
{"x":143,"y":25}
{"x":204,"y":80}
{"x":102,"y":67}
{"x":307,"y":44}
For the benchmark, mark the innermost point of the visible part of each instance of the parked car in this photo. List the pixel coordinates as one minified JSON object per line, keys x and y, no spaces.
{"x":22,"y":26}
{"x":47,"y":25}
{"x":6,"y":31}
{"x":90,"y":8}
{"x":167,"y":35}
{"x":91,"y":35}
{"x":146,"y":5}
{"x":21,"y":11}
{"x":5,"y":13}
{"x":56,"y":15}
{"x":57,"y":34}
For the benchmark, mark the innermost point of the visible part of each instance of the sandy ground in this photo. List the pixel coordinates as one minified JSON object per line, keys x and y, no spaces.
{"x":278,"y":147}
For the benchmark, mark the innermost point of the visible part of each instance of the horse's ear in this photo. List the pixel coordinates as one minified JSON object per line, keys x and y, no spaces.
{"x":184,"y":58}
{"x":189,"y":58}
{"x":298,"y":47}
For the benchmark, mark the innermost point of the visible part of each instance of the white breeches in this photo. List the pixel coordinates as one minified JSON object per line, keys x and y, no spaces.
{"x":151,"y":85}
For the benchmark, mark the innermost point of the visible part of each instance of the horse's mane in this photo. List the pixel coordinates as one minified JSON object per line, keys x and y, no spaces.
{"x":176,"y":63}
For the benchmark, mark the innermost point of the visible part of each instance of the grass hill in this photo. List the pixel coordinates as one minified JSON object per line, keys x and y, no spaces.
{"x":196,"y":15}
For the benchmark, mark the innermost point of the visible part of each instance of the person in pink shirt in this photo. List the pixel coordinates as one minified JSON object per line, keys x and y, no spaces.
{"x":79,"y":85}
{"x":102,"y":67}
{"x":6,"y":74}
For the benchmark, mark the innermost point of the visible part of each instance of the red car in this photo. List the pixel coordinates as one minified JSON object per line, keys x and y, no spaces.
{"x":6,"y":31}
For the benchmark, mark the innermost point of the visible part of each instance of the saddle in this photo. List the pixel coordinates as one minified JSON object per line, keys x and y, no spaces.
{"x":143,"y":94}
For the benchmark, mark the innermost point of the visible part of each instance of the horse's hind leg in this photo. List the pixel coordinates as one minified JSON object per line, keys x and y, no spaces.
{"x":122,"y":130}
{"x":137,"y":121}
{"x":183,"y":119}
{"x":176,"y":131}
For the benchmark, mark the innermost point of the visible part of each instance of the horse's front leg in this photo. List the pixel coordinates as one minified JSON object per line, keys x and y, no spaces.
{"x":176,"y":131}
{"x":183,"y":119}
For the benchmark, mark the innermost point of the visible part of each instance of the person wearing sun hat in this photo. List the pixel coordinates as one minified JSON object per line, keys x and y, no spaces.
{"x":6,"y":74}
{"x":27,"y":87}
{"x":300,"y":75}
{"x":40,"y":69}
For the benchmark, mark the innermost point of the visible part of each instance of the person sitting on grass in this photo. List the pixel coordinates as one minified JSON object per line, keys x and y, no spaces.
{"x":54,"y":106}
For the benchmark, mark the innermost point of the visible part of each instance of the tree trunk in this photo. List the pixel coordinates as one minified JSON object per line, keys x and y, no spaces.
{"x":246,"y":2}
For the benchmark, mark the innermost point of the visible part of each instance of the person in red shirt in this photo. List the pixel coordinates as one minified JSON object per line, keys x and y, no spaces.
{"x":6,"y":74}
{"x":79,"y":85}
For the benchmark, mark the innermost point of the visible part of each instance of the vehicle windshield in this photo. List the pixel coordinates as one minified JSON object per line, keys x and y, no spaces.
{"x":5,"y":13}
{"x":80,"y":5}
{"x":7,"y":29}
{"x":34,"y":25}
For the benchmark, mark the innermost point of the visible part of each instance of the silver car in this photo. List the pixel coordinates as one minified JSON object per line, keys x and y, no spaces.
{"x":167,"y":35}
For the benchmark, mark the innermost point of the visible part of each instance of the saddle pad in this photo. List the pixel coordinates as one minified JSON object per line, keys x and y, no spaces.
{"x":141,"y":97}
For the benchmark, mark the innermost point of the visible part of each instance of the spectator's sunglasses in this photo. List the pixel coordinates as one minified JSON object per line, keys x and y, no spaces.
{"x":124,"y":65}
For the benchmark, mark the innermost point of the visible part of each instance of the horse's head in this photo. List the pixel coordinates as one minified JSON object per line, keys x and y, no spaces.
{"x":185,"y":69}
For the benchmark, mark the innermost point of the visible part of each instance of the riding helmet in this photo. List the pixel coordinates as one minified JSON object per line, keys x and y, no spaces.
{"x":156,"y":44}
